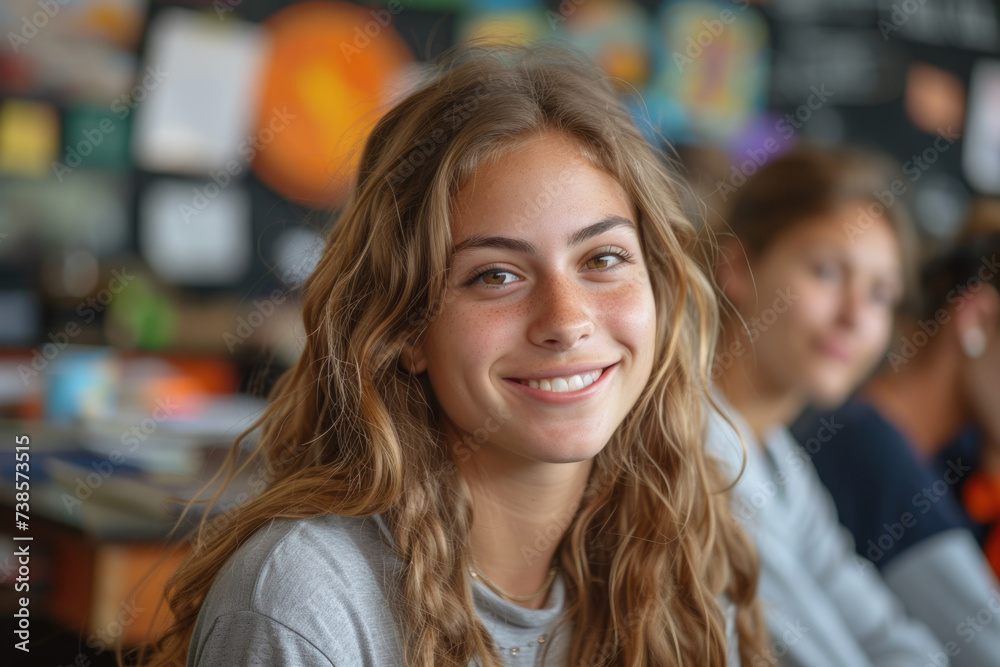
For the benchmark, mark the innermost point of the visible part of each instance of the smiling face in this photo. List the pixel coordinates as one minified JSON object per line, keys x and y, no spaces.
{"x":825,"y":308}
{"x":547,"y":281}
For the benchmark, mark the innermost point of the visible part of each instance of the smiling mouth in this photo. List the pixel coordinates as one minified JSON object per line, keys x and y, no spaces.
{"x":564,"y":384}
{"x":838,"y":352}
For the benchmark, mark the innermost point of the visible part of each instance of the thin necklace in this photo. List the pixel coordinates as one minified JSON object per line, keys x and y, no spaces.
{"x":514,"y":598}
{"x":516,"y":650}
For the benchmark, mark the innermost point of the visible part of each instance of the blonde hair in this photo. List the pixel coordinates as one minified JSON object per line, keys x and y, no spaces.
{"x":651,"y":548}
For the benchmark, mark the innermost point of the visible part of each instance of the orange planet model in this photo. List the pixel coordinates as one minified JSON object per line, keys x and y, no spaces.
{"x":327,"y":81}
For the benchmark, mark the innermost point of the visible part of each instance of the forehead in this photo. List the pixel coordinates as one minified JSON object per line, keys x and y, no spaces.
{"x":850,"y":231}
{"x":543,"y":184}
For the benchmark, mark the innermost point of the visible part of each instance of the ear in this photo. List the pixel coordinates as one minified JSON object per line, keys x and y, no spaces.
{"x":412,"y":357}
{"x":733,"y":272}
{"x":977,"y":318}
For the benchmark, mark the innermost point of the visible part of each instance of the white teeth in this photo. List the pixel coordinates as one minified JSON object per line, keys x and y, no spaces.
{"x":564,"y":384}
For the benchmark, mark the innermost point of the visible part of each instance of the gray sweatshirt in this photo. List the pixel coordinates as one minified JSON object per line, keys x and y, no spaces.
{"x":822,"y":603}
{"x":326,"y":591}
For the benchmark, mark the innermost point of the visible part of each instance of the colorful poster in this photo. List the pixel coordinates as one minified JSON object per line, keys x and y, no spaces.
{"x":710,"y":70}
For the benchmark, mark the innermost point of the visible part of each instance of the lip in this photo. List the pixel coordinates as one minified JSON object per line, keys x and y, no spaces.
{"x":565,"y":371}
{"x":835,"y":350}
{"x":562,"y":398}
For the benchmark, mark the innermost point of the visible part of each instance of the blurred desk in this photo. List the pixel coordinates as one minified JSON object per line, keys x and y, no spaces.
{"x":102,"y":545}
{"x":93,"y":586}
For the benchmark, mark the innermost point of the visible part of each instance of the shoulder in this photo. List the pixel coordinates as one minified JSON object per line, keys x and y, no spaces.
{"x":288,"y":557}
{"x":859,"y":453}
{"x":329,"y":580}
{"x":854,"y":428}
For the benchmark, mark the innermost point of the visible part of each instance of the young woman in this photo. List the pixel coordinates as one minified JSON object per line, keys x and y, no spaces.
{"x":814,"y":273}
{"x":906,"y":514}
{"x":491,"y":449}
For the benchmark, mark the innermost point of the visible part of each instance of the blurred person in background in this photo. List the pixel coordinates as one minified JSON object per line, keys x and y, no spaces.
{"x":493,"y":445}
{"x":897,"y":484}
{"x":814,"y":272}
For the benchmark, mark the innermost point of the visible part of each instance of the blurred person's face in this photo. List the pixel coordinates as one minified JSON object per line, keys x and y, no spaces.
{"x":826,"y":297}
{"x":547,"y":333}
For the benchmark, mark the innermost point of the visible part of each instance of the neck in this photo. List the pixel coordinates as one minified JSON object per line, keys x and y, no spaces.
{"x":762,"y":404}
{"x":920,"y":401}
{"x":521,"y":510}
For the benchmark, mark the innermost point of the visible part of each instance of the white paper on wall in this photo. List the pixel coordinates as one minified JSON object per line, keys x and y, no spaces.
{"x":201,"y":79}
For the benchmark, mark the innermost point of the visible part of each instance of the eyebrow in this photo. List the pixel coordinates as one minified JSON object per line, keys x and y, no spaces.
{"x":528,"y":248}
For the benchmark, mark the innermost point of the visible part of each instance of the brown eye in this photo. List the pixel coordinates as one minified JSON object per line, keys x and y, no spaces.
{"x":486,"y":277}
{"x":602,"y":261}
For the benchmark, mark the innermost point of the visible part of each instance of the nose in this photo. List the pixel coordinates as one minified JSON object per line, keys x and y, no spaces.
{"x":852,"y":303}
{"x":561,"y":315}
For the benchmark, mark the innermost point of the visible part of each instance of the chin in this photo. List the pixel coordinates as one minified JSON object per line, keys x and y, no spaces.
{"x":576,"y":454}
{"x":829,"y":394}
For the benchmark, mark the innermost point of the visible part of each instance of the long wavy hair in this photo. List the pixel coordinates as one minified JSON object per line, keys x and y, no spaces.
{"x":650,"y":550}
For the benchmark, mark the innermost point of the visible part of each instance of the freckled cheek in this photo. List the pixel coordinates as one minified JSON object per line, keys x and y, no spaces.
{"x":630,"y":316}
{"x":469,"y":339}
